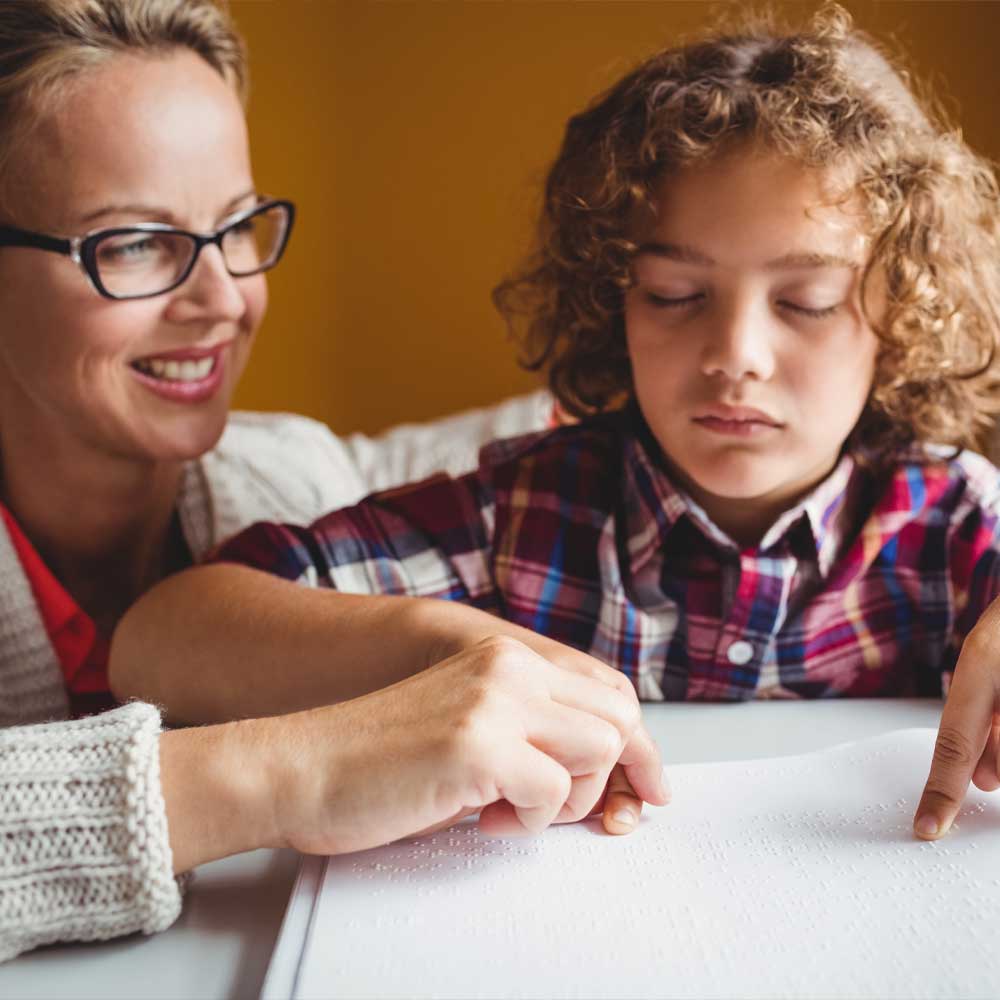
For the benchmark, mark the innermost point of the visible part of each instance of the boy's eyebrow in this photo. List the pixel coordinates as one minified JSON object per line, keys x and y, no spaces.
{"x":795,"y":260}
{"x":685,"y":254}
{"x":676,"y":251}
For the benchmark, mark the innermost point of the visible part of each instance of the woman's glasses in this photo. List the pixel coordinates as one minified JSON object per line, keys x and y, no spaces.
{"x":137,"y":262}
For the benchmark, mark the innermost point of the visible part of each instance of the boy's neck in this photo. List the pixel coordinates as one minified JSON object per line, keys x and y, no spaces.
{"x":746,"y":520}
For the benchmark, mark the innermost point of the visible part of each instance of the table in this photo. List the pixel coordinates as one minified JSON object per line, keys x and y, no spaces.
{"x":221,"y":945}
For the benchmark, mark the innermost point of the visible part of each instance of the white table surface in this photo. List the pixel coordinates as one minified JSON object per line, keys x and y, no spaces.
{"x":221,"y":945}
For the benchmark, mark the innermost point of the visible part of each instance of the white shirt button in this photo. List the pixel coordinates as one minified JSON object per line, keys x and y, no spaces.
{"x":740,"y":652}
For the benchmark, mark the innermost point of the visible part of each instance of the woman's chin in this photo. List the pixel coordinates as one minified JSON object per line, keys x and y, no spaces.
{"x":186,"y":440}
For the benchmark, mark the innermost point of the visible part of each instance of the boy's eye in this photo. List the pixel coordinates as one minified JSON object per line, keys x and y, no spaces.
{"x":668,"y":302}
{"x":810,"y":311}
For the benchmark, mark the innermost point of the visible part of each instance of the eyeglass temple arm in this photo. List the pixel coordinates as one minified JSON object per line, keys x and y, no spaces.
{"x":10,"y":237}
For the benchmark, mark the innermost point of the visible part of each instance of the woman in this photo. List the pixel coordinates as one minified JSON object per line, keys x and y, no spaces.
{"x":132,"y":250}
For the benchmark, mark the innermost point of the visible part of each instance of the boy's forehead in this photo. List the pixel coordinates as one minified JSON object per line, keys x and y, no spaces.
{"x":759,"y":207}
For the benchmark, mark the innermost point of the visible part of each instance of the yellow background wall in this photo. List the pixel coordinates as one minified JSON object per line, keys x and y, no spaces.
{"x":414,"y":137}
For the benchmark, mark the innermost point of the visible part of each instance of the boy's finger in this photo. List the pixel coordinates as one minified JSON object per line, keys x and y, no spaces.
{"x":622,"y":806}
{"x":962,"y":736}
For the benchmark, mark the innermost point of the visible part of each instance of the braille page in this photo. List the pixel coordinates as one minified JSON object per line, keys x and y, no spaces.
{"x":789,"y":877}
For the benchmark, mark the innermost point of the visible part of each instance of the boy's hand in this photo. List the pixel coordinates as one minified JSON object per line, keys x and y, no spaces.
{"x":968,"y":742}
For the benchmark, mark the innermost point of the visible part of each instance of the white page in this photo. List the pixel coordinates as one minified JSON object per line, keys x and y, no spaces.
{"x":790,"y":877}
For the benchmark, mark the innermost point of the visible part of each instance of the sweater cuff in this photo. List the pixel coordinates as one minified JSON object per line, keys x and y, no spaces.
{"x":84,"y":849}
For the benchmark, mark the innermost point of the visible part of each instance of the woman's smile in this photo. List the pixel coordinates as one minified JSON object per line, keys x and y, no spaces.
{"x":189,"y":375}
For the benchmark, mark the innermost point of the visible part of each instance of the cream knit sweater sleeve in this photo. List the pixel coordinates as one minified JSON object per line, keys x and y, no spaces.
{"x":84,"y":853}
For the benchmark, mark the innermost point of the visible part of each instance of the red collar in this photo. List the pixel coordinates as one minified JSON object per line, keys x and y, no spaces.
{"x":81,"y":650}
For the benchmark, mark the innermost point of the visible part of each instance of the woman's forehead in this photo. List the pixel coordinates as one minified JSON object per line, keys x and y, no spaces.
{"x":136,"y":130}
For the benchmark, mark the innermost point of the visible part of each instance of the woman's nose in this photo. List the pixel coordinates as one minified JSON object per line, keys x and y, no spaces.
{"x":210,"y":291}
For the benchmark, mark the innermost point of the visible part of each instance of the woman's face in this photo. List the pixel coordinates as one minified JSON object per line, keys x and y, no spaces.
{"x":139,"y":139}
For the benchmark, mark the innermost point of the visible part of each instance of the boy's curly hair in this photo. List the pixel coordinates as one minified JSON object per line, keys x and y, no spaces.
{"x":828,"y":97}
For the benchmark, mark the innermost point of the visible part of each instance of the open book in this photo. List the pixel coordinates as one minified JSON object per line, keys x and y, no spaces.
{"x":790,"y":877}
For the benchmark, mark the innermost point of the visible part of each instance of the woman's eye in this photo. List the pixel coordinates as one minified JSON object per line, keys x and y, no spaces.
{"x":810,"y":311}
{"x":243,"y":228}
{"x":673,"y":302}
{"x":131,"y":248}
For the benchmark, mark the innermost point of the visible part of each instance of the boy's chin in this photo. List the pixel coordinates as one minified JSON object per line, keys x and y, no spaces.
{"x":782,"y":488}
{"x":735,"y":477}
{"x":746,"y":482}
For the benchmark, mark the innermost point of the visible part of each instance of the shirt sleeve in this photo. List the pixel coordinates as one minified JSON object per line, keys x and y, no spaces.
{"x":430,"y":539}
{"x":84,"y":850}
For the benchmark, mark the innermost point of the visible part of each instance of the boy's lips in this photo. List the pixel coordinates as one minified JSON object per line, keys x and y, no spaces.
{"x":741,"y":421}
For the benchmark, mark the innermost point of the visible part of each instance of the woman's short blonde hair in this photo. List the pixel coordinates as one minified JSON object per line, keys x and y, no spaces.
{"x":45,"y":43}
{"x":828,"y":97}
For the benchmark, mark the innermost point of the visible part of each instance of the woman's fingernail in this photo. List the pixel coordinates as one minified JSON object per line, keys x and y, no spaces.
{"x":926,"y":826}
{"x":624,"y":816}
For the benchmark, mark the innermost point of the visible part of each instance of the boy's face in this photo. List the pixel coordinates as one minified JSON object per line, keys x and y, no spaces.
{"x":751,"y":356}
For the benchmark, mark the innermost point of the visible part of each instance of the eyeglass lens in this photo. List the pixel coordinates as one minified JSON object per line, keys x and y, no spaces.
{"x":145,"y":263}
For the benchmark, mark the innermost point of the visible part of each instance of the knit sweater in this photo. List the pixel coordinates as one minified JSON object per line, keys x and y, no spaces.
{"x":84,"y":850}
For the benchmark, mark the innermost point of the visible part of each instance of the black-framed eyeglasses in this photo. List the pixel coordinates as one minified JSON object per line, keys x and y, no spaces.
{"x":149,"y":258}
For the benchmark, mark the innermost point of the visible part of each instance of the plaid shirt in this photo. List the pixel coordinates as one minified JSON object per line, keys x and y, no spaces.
{"x":866,"y":587}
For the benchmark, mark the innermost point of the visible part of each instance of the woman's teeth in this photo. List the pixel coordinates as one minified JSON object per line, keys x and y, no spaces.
{"x":176,"y":371}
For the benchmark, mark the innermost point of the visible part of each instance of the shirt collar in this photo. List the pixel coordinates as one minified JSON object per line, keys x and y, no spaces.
{"x":70,"y":629}
{"x":654,"y":506}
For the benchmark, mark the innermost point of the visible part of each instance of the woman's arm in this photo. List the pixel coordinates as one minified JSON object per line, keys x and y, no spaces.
{"x":221,"y":642}
{"x":84,"y":850}
{"x":100,"y":813}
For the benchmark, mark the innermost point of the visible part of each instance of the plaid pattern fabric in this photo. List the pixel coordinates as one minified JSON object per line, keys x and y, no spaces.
{"x":867,"y":587}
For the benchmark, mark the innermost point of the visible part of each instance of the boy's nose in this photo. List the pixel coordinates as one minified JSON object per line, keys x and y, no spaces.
{"x":739,"y":344}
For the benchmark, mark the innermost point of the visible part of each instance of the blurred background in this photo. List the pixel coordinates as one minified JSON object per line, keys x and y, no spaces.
{"x":414,"y":137}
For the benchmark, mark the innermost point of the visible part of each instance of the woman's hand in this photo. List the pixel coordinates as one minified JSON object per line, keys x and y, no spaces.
{"x":496,"y":729}
{"x":454,"y":627}
{"x":968,"y":742}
